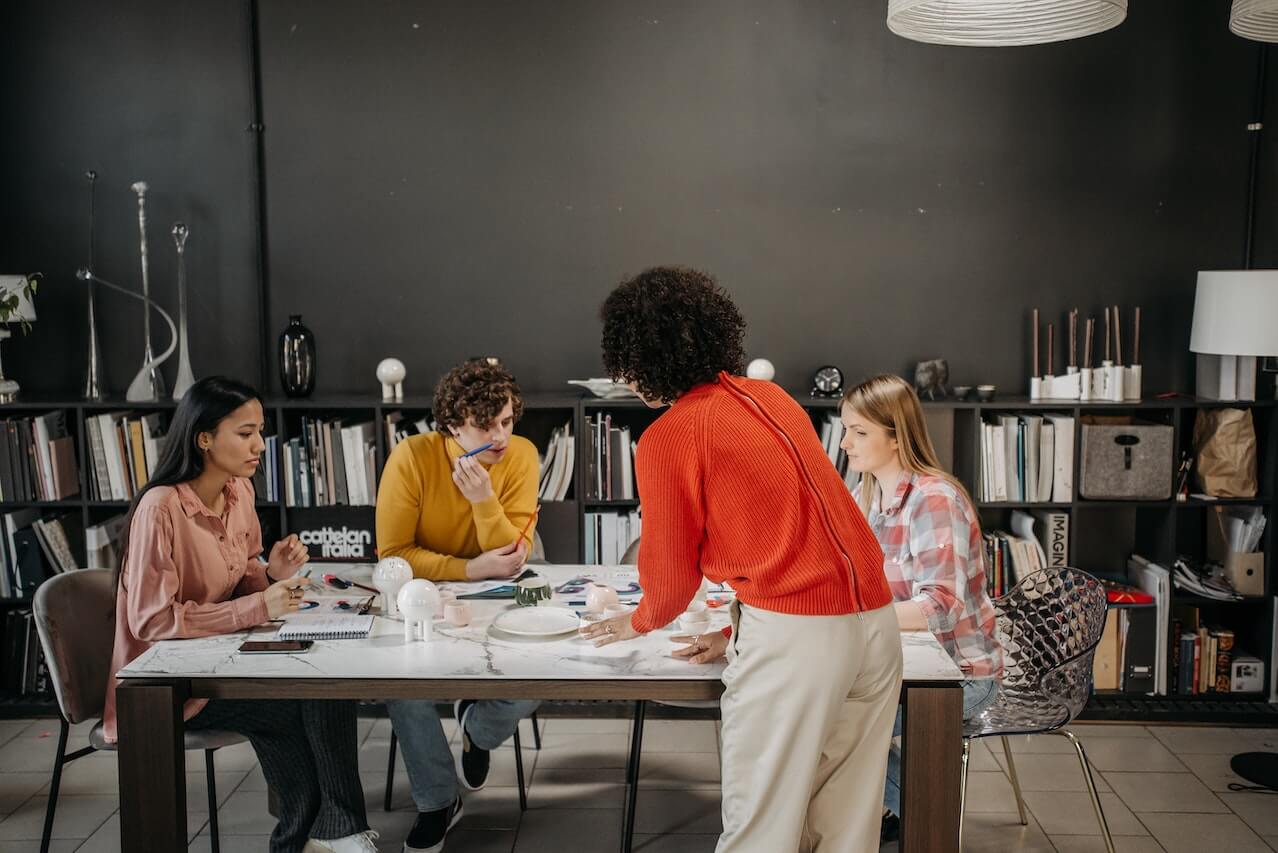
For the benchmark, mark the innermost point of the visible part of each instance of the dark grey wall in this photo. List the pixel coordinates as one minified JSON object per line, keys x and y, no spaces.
{"x":469,"y":177}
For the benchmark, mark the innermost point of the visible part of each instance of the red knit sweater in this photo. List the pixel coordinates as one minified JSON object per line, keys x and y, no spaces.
{"x":735,"y":485}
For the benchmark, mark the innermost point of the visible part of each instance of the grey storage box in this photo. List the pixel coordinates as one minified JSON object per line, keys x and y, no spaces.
{"x":1126,"y":461}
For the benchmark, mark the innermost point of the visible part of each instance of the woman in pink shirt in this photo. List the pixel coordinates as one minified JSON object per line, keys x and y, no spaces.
{"x":189,"y":568}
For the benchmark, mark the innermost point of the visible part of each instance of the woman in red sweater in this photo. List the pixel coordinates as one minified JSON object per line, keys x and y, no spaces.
{"x":736,"y":487}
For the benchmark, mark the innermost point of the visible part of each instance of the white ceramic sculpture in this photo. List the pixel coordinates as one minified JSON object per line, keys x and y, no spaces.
{"x":761,"y":368}
{"x":418,"y":601}
{"x":391,"y":373}
{"x":389,"y":576}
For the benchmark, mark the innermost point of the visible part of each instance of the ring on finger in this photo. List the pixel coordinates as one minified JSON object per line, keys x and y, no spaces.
{"x":610,"y":629}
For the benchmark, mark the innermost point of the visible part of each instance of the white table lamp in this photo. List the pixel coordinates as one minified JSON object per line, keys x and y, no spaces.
{"x":1235,"y":322}
{"x":23,"y":312}
{"x":1254,"y":19}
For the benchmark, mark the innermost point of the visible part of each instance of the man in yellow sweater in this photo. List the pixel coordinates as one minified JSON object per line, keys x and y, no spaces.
{"x":458,"y":517}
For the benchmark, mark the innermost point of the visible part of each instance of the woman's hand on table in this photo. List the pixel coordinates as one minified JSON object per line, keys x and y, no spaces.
{"x":612,"y":630}
{"x":287,"y":556}
{"x":702,"y":648}
{"x":285,"y":596}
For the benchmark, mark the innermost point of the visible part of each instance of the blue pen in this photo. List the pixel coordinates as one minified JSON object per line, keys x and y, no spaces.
{"x":477,"y":450}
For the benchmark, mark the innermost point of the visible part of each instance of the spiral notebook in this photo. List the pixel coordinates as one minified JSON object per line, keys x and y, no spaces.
{"x":327,"y":628}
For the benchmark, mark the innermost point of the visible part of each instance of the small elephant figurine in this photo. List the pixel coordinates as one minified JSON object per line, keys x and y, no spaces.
{"x":931,"y":377}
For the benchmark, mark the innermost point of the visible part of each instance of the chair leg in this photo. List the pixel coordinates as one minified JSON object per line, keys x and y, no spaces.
{"x":632,"y":777}
{"x":390,"y":772}
{"x":1091,"y":787}
{"x":967,"y":751}
{"x":1016,"y":783}
{"x":519,"y":771}
{"x":54,"y":785}
{"x":212,"y":786}
{"x":536,"y":731}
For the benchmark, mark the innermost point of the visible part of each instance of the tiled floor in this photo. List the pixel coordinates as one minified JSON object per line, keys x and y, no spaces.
{"x":1164,"y":789}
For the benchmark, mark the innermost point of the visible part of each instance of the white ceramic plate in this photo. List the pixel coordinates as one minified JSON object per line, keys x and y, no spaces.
{"x":537,"y":621}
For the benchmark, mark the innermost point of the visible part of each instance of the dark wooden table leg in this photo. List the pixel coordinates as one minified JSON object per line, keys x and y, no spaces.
{"x":931,"y":759}
{"x":152,"y":767}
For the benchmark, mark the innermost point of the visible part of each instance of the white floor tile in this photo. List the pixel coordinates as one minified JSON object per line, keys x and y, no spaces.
{"x":585,"y":750}
{"x":1190,"y":740}
{"x":1096,"y":844}
{"x":989,"y":792}
{"x":573,"y":727}
{"x":76,"y":817}
{"x":1258,"y":810}
{"x":554,"y":788}
{"x":33,"y":846}
{"x":664,"y":812}
{"x":244,"y":813}
{"x":1164,"y":792}
{"x":1212,"y":769}
{"x":17,"y":788}
{"x":1197,"y":833}
{"x":675,"y":843}
{"x":1140,"y":754}
{"x":1003,"y":833}
{"x":1071,"y":813}
{"x":1050,"y":772}
{"x":680,"y":736}
{"x":559,"y":830}
{"x":679,"y":770}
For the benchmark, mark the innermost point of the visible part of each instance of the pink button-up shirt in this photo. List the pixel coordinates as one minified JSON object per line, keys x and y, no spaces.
{"x":188,"y":573}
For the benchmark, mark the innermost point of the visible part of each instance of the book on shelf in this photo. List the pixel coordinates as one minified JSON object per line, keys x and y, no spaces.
{"x":102,"y":542}
{"x":38,"y":459}
{"x":1008,"y":558}
{"x":609,"y":534}
{"x":610,"y":466}
{"x":1205,"y":654}
{"x":1026,"y":459}
{"x":557,"y":465}
{"x":1125,"y":659}
{"x":398,"y":429}
{"x":329,"y":463}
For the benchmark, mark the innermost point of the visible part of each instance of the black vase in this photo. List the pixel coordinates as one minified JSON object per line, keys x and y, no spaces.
{"x":297,"y":358}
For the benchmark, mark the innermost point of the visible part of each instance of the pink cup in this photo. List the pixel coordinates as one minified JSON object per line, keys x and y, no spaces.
{"x":445,"y":598}
{"x":457,"y":613}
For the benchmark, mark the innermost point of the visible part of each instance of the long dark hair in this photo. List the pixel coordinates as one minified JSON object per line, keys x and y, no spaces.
{"x":201,"y":409}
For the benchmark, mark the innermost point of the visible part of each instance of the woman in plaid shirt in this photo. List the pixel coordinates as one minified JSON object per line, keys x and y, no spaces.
{"x":931,"y":538}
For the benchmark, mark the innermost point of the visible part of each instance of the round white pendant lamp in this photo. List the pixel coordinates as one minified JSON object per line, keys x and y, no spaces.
{"x":1254,"y":19}
{"x":1005,"y":23}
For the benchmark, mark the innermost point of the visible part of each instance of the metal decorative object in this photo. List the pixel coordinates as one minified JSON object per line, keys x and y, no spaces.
{"x":140,"y":382}
{"x":93,"y":383}
{"x":297,"y":358}
{"x":185,"y":378}
{"x":148,"y":387}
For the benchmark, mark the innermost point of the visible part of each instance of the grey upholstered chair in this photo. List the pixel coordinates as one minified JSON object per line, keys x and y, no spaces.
{"x":1049,"y":625}
{"x":75,"y":617}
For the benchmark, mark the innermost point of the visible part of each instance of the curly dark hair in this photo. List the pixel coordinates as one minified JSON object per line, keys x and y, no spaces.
{"x":669,"y":329}
{"x":475,"y":389}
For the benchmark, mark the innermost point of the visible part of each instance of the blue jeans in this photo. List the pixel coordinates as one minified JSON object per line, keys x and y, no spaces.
{"x":427,"y":756}
{"x":978,"y":694}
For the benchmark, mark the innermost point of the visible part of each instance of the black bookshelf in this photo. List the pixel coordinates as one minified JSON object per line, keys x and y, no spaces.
{"x":1157,"y":529}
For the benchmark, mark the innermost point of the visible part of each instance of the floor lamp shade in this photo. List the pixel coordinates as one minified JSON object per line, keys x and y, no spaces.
{"x":1255,"y":19}
{"x":1002,"y":23}
{"x":1234,"y":324}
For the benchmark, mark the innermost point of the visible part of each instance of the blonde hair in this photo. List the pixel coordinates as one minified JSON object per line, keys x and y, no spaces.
{"x":890,"y":402}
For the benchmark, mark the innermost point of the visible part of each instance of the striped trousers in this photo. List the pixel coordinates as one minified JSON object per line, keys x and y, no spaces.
{"x":310,"y":757}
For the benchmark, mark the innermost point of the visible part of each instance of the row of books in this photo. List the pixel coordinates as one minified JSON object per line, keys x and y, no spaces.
{"x":1037,"y":540}
{"x":331,"y":463}
{"x":124,"y":449}
{"x":398,"y":429}
{"x":557,"y":465}
{"x":609,"y":534}
{"x":37,"y":459}
{"x":34,"y":548}
{"x":1205,"y":658}
{"x":610,"y":461}
{"x":22,"y":665}
{"x":1027,"y":459}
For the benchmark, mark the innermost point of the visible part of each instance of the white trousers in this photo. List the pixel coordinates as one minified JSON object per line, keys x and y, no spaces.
{"x":808,"y":707}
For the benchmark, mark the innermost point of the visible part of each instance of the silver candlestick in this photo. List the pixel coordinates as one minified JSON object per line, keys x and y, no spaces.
{"x":150,"y":366}
{"x":152,"y":388}
{"x":185,"y":378}
{"x":93,"y":383}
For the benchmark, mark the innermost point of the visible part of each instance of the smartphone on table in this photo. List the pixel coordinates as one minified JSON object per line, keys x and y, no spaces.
{"x":265,"y":647}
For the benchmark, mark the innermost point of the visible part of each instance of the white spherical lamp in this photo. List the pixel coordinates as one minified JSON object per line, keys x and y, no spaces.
{"x":389,"y":576}
{"x":391,"y":373}
{"x":418,"y":600}
{"x":761,"y":368}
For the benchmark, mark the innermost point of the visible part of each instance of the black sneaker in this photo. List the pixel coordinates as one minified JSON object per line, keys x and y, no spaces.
{"x":472,"y":762}
{"x":430,"y":829}
{"x":890,"y":828}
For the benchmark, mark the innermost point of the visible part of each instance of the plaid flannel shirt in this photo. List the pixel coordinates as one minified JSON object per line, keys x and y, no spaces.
{"x":935,"y":556}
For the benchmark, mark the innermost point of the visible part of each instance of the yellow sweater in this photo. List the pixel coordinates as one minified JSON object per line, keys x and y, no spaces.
{"x":424,"y":518}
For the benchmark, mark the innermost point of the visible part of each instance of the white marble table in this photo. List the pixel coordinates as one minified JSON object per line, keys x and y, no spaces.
{"x":477,"y":662}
